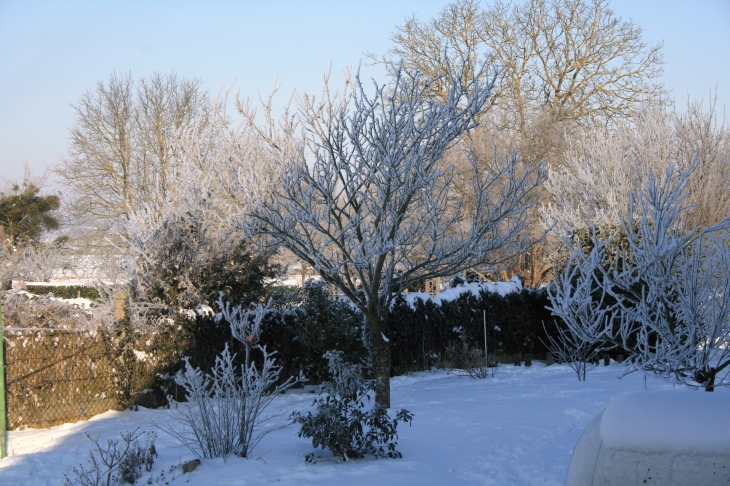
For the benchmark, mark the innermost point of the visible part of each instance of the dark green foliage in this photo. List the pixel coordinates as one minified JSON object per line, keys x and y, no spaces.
{"x":25,"y":215}
{"x":313,"y":324}
{"x":615,"y":236}
{"x":130,"y":467}
{"x":239,"y":275}
{"x":420,"y":336}
{"x":323,"y":324}
{"x":342,"y":425}
{"x":65,"y":291}
{"x":187,"y":265}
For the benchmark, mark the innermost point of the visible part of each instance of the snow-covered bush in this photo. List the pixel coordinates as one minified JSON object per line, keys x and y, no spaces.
{"x":468,"y":361}
{"x":226,"y":410}
{"x":116,"y":463}
{"x":580,"y":304}
{"x":341,"y":422}
{"x":664,"y":298}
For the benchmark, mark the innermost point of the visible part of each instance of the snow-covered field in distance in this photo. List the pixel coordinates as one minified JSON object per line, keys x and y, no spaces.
{"x":519,"y":427}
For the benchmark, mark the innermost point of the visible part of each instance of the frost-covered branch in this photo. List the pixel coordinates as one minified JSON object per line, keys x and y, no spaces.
{"x":601,"y":168}
{"x":373,"y":210}
{"x":664,"y":298}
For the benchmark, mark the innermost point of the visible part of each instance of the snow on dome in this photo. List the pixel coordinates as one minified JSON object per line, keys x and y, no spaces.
{"x":672,"y":437}
{"x":676,"y":420}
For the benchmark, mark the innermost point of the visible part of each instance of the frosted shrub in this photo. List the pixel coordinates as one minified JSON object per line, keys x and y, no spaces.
{"x":116,"y":463}
{"x":226,"y":409}
{"x":469,"y":361}
{"x":663,"y":299}
{"x":583,"y":308}
{"x":341,"y":423}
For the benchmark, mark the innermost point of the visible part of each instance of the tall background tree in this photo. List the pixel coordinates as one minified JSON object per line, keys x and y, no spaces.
{"x":121,"y":155}
{"x":602,"y":168}
{"x":572,"y":59}
{"x":565,"y":65}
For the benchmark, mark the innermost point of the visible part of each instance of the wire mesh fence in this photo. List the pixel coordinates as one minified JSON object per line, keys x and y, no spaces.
{"x":56,"y":376}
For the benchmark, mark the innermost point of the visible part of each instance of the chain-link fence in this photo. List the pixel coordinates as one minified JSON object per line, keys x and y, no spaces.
{"x":57,"y":376}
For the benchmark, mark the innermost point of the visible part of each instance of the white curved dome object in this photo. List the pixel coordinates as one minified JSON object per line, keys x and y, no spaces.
{"x":675,"y":437}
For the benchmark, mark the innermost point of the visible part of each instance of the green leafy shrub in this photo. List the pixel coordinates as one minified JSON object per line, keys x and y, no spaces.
{"x":342,"y":425}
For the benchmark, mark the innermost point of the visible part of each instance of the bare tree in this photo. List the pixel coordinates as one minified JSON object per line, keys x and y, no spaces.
{"x":573,"y":57}
{"x":700,"y":133}
{"x":601,"y":168}
{"x":368,"y":212}
{"x":166,"y":105}
{"x":230,"y":164}
{"x":121,"y":144}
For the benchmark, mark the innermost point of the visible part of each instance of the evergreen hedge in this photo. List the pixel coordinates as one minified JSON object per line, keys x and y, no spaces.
{"x":315,"y":323}
{"x":65,"y":291}
{"x":421,"y":331}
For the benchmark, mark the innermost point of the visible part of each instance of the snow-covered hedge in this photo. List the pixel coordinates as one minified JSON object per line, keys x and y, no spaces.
{"x":421,"y":327}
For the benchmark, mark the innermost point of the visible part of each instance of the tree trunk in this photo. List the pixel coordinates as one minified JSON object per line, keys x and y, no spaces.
{"x":381,"y":366}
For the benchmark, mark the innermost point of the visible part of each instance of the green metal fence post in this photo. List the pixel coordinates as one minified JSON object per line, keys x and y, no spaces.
{"x":3,"y":408}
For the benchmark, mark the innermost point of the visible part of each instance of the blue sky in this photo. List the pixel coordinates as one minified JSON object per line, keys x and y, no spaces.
{"x":53,"y":51}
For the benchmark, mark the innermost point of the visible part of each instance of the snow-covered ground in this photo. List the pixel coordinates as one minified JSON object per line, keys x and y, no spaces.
{"x":519,"y":427}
